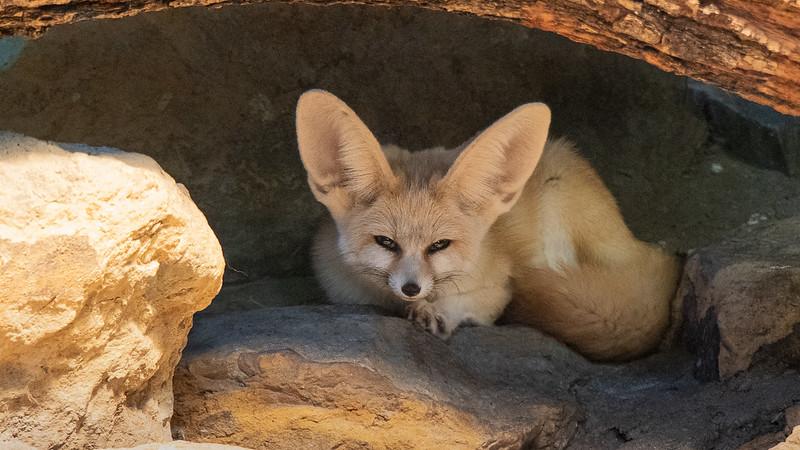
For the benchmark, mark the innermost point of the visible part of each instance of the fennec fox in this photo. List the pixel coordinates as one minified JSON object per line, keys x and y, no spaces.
{"x":457,"y":236}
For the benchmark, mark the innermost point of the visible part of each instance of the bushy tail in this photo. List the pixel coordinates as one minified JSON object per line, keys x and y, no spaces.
{"x":612,"y":313}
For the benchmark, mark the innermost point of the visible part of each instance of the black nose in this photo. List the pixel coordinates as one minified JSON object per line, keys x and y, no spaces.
{"x":410,"y":289}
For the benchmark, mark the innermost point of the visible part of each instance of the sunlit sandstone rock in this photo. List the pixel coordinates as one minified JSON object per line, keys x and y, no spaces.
{"x":103,"y":261}
{"x":792,"y":442}
{"x":184,"y":445}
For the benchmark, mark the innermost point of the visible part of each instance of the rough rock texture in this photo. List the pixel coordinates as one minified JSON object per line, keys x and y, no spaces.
{"x":311,"y":379}
{"x":173,"y":445}
{"x":741,"y":299}
{"x":752,"y":48}
{"x":14,"y":444}
{"x":786,"y":437}
{"x":792,"y":442}
{"x":267,"y":292}
{"x":183,"y":445}
{"x":103,"y":261}
{"x":754,"y":133}
{"x":322,"y":376}
{"x":210,"y":94}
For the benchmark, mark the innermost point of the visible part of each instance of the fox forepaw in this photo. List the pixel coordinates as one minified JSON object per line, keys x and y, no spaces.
{"x":424,"y":314}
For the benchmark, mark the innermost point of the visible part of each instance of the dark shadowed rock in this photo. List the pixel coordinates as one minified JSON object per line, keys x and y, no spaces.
{"x":755,"y":133}
{"x":266,"y":292}
{"x":210,"y":94}
{"x":786,"y":439}
{"x":741,"y":299}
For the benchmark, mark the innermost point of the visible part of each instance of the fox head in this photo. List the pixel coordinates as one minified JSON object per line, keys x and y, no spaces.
{"x":414,"y":223}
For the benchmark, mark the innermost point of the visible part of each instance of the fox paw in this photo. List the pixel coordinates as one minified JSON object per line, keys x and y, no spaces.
{"x":424,"y":314}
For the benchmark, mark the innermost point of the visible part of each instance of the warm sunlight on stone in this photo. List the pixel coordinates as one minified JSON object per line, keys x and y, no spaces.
{"x":103,"y":261}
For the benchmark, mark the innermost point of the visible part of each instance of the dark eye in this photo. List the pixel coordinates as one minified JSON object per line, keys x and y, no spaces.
{"x":387,"y":243}
{"x":441,"y":244}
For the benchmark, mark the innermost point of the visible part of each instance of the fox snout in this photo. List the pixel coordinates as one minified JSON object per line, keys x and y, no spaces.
{"x":409,"y":280}
{"x":411,"y":289}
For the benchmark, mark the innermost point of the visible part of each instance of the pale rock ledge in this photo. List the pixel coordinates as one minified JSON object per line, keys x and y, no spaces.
{"x":104,"y":259}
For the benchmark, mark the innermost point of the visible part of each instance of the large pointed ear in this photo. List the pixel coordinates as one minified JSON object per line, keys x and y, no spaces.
{"x":489,"y":175}
{"x":344,"y":161}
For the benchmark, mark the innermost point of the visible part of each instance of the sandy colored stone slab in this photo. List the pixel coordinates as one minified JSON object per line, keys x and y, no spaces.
{"x":791,"y":443}
{"x":174,"y":445}
{"x":103,"y":261}
{"x":183,"y":445}
{"x":14,"y":444}
{"x":323,"y":377}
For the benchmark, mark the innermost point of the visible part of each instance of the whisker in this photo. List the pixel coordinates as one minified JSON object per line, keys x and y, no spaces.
{"x":449,"y":278}
{"x":374,"y":272}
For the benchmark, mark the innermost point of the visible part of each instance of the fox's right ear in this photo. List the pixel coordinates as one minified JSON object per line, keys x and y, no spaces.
{"x":344,"y":161}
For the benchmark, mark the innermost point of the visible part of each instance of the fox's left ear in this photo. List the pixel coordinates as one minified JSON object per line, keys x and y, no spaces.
{"x":490,"y":174}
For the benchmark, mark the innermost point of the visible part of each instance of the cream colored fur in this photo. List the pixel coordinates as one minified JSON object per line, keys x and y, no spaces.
{"x":533,"y":231}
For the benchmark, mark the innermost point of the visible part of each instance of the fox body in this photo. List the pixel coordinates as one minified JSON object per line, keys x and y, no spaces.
{"x":508,"y":222}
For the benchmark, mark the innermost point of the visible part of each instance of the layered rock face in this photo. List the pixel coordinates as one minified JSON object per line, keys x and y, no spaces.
{"x":346,"y":377}
{"x":103,"y":261}
{"x":184,"y":445}
{"x":741,"y":299}
{"x":174,"y":445}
